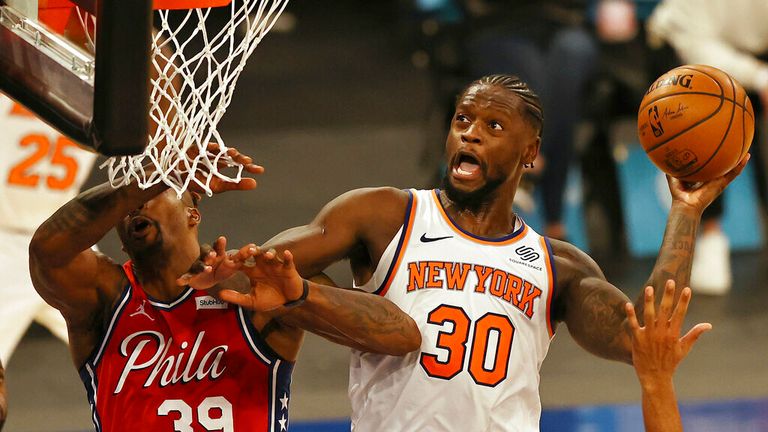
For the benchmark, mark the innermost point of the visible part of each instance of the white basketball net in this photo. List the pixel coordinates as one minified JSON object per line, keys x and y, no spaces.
{"x":197,"y":58}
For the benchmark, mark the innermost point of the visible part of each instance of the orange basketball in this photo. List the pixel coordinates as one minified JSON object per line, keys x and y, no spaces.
{"x":695,"y":123}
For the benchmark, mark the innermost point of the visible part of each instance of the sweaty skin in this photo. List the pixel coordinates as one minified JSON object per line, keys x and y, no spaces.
{"x":489,"y":141}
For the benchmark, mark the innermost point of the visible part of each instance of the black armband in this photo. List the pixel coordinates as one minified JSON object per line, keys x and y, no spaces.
{"x":299,"y":301}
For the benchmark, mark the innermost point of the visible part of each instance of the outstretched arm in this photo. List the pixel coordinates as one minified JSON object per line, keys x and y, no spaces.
{"x":657,"y":349}
{"x":593,"y":308}
{"x":353,"y":318}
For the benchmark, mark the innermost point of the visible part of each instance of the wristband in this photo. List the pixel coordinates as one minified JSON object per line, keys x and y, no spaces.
{"x":299,"y":301}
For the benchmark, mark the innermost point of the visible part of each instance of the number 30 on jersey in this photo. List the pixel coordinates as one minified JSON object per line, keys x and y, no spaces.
{"x":486,"y":368}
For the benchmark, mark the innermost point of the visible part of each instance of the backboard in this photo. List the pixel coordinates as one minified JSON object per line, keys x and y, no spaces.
{"x":96,"y":95}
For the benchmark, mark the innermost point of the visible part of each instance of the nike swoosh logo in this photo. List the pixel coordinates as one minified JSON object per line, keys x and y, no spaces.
{"x":425,"y":239}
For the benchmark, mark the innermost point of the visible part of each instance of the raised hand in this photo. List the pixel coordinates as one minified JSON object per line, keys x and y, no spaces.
{"x":657,"y":347}
{"x":700,"y":195}
{"x":216,"y":264}
{"x":219,"y":185}
{"x":274,"y":282}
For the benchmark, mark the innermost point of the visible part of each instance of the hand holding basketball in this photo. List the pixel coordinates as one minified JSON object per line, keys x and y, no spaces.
{"x":701,"y":195}
{"x":696,"y":123}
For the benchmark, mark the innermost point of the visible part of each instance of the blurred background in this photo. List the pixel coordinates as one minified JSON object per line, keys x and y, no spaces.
{"x":348,"y":94}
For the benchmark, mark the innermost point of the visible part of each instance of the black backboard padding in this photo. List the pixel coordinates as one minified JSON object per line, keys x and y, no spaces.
{"x":121,"y":97}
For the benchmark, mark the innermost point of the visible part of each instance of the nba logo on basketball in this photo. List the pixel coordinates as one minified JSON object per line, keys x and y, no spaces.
{"x":655,"y":121}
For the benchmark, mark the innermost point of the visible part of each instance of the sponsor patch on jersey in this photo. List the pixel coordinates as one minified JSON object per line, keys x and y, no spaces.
{"x":208,"y":302}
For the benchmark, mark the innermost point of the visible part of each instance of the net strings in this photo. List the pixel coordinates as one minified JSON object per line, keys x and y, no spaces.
{"x":196,"y":62}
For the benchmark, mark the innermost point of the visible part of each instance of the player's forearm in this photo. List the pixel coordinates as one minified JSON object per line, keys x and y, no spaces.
{"x":676,"y":252}
{"x":359,"y":320}
{"x":84,"y":220}
{"x":660,"y":412}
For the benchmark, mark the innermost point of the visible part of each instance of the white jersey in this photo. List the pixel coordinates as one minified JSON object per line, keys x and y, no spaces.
{"x":40,"y":170}
{"x":483,"y":309}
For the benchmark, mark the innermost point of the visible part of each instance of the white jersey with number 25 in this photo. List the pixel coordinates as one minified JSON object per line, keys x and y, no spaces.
{"x":40,"y":169}
{"x":483,"y":309}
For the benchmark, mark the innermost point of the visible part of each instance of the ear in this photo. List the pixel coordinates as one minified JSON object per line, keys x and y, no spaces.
{"x":194,"y":216}
{"x":531,"y":150}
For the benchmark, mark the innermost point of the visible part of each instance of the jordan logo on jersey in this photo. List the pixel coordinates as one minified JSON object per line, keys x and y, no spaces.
{"x":487,"y":281}
{"x":182,"y":366}
{"x":141,"y":311}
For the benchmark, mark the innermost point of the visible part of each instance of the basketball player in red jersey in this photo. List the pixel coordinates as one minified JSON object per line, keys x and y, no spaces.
{"x":155,"y":356}
{"x":466,"y":268}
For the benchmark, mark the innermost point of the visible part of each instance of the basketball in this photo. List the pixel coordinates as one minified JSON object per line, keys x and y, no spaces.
{"x":695,"y":123}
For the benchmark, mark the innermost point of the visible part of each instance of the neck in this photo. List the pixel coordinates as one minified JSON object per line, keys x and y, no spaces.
{"x":159,"y":271}
{"x":494,"y":218}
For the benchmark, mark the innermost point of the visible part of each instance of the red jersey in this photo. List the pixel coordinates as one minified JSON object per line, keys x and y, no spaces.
{"x":194,"y":364}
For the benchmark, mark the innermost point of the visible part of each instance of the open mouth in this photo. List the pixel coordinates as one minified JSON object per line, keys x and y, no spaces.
{"x":139,"y":226}
{"x":467,"y":165}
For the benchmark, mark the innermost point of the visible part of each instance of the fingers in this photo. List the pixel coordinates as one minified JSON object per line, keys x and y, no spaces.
{"x":245,"y":160}
{"x":220,"y":246}
{"x":245,"y":253}
{"x":732,"y":174}
{"x":629,"y":309}
{"x":667,"y":300}
{"x":189,"y":277}
{"x":693,"y":335}
{"x":649,"y":312}
{"x":288,"y":259}
{"x":681,"y":309}
{"x":235,"y":297}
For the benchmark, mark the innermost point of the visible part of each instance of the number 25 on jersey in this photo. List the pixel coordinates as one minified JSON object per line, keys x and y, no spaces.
{"x":31,"y":171}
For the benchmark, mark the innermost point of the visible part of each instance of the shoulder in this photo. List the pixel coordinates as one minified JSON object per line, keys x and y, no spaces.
{"x":367,"y":203}
{"x":573,"y":263}
{"x":382,"y":196}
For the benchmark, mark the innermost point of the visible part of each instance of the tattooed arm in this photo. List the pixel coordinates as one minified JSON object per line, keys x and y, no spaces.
{"x":356,"y":319}
{"x":358,"y":225}
{"x":593,"y":308}
{"x":68,"y":274}
{"x":274,"y":289}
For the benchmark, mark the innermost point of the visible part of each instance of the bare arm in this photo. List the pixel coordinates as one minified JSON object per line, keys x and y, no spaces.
{"x":273,"y":286}
{"x":356,"y":319}
{"x":65,"y":271}
{"x":358,"y":223}
{"x":657,"y":349}
{"x":593,"y":308}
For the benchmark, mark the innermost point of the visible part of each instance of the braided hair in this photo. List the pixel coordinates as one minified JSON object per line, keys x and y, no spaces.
{"x":512,"y":83}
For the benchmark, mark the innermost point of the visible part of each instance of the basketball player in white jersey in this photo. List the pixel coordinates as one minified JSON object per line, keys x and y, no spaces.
{"x":486,"y":291}
{"x":40,"y":171}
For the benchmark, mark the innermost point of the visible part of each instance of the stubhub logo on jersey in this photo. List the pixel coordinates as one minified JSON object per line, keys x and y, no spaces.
{"x":208,"y":302}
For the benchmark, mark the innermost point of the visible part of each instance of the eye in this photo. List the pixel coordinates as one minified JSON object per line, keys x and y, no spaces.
{"x":493,"y":124}
{"x":462,"y":118}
